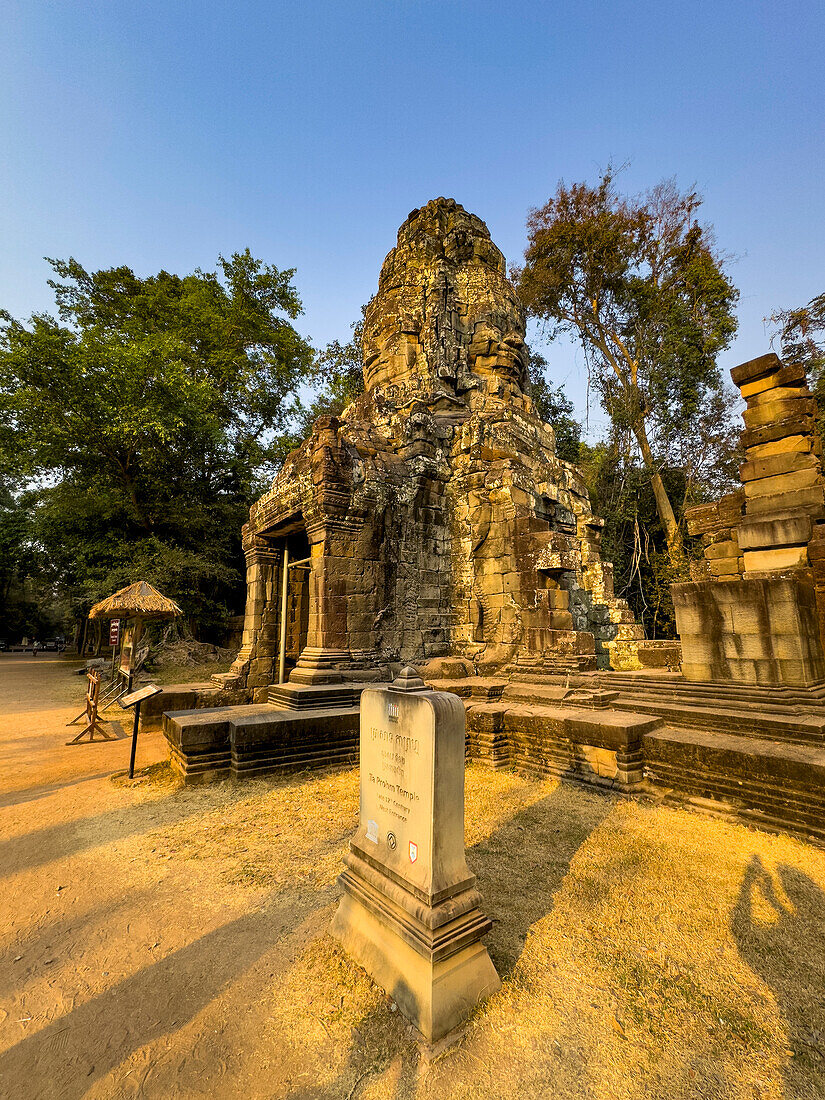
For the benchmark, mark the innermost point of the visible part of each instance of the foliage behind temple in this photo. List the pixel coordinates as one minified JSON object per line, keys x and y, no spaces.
{"x":144,"y":421}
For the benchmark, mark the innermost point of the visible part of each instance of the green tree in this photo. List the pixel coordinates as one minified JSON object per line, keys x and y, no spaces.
{"x":146,"y":419}
{"x":554,"y":407}
{"x":337,"y":375}
{"x":633,"y":538}
{"x":801,"y":334}
{"x":640,"y":283}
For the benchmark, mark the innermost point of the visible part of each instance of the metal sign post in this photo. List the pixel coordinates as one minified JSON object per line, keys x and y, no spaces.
{"x":134,"y":700}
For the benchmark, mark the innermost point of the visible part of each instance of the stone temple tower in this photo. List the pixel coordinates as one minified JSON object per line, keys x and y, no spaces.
{"x":433,"y":520}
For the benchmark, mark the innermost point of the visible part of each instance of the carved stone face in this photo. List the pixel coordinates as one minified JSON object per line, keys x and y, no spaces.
{"x":444,"y":310}
{"x":494,"y":355}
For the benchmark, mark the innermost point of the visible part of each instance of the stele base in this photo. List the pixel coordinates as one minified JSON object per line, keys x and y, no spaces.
{"x":435,"y":994}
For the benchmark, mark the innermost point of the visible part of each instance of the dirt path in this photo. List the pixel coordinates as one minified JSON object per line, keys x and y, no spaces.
{"x":107,"y":952}
{"x":164,"y":942}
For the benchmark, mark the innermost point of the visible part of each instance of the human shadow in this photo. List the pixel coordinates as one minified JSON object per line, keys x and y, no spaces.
{"x":65,"y":1058}
{"x":781,"y":942}
{"x":521,"y":865}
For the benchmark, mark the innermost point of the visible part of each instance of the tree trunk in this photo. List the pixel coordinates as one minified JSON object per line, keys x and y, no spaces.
{"x":667,"y":517}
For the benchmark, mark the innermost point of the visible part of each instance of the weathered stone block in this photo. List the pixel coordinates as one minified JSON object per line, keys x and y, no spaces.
{"x":782,"y":375}
{"x":783,"y":483}
{"x":561,"y":620}
{"x":709,"y":614}
{"x":729,"y":548}
{"x":776,"y":430}
{"x":786,"y":557}
{"x":775,"y":531}
{"x":760,"y":367}
{"x":809,"y":499}
{"x":775,"y":411}
{"x":772,"y":465}
{"x":721,"y":567}
{"x":599,"y":761}
{"x":784,"y":445}
{"x":779,"y":393}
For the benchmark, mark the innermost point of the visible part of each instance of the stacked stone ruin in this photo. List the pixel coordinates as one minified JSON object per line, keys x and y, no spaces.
{"x":437,"y":516}
{"x":757,"y":616}
{"x":433,"y":522}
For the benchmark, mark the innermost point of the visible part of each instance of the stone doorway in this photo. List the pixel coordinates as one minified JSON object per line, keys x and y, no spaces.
{"x":297,"y":602}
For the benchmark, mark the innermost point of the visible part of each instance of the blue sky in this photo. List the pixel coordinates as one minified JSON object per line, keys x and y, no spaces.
{"x":161,"y":134}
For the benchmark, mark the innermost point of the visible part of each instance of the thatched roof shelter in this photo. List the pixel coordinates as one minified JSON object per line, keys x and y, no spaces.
{"x":136,"y":601}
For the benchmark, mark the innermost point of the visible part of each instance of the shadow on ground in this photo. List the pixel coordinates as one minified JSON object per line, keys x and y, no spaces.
{"x":780,"y":939}
{"x":42,"y":846}
{"x":66,"y":1057}
{"x":33,"y":794}
{"x":518,"y":884}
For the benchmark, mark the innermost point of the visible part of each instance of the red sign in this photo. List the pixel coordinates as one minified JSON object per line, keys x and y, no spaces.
{"x":114,"y":631}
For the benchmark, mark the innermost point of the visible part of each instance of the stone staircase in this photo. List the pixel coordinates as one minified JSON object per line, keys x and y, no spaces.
{"x":739,"y":751}
{"x":790,"y":715}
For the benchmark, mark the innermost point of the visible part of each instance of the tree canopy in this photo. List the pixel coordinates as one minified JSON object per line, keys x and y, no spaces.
{"x":144,"y":420}
{"x":639,"y":282}
{"x":801,"y":333}
{"x":554,"y":407}
{"x":338,"y":376}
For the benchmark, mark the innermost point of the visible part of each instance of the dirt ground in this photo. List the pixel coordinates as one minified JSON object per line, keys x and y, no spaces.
{"x":157,"y":941}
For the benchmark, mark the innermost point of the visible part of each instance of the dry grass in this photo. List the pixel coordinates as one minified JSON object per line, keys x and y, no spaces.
{"x":186,"y":672}
{"x":645,"y":951}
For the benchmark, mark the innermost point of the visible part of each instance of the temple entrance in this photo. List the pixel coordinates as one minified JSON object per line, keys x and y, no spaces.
{"x":297,"y":599}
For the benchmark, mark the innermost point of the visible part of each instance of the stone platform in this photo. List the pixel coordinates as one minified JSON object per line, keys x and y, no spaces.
{"x":778,"y":786}
{"x":754,"y":753}
{"x":179,"y":697}
{"x":247,"y":741}
{"x":301,"y":727}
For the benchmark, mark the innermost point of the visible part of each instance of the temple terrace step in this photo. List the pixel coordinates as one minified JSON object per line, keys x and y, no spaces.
{"x":259,"y":740}
{"x":773,"y":785}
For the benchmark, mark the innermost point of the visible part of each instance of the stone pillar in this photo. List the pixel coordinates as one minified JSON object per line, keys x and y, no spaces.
{"x":253,"y":667}
{"x":410,"y":911}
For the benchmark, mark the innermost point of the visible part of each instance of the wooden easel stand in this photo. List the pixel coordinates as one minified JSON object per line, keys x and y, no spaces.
{"x":94,"y":722}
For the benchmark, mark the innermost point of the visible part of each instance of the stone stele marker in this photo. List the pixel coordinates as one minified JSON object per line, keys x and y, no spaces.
{"x":410,"y":911}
